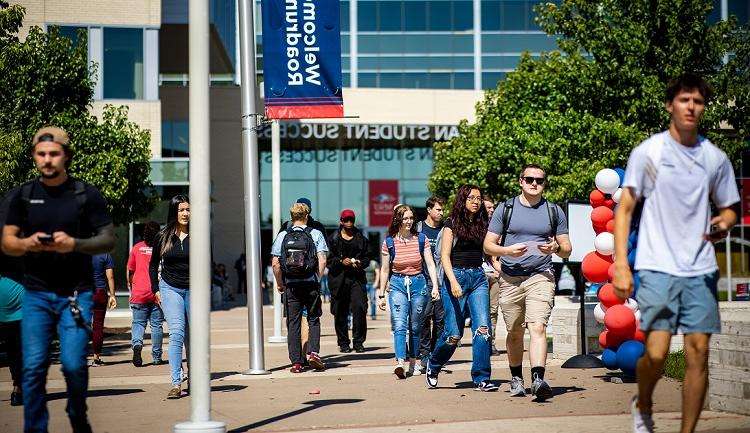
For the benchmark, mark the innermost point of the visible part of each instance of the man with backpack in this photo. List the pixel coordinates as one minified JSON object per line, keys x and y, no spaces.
{"x":299,"y":259}
{"x":525,"y":234}
{"x":57,"y":223}
{"x":434,"y":315}
{"x":673,"y":176}
{"x":348,"y":258}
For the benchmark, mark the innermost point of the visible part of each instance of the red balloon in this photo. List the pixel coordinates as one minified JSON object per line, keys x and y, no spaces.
{"x":610,"y":226}
{"x":611,"y":272}
{"x":607,"y":296}
{"x":639,"y":335}
{"x":596,"y":198}
{"x":600,"y":216}
{"x":620,"y":320}
{"x":594,"y":267}
{"x":598,"y":230}
{"x":609,"y":340}
{"x":609,"y":203}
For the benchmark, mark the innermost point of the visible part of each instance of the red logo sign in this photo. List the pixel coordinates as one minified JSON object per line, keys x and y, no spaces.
{"x":383,"y":197}
{"x":745,"y":193}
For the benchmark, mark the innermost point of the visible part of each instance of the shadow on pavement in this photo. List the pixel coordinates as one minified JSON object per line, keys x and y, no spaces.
{"x":222,"y":374}
{"x":96,"y":393}
{"x":611,"y":375}
{"x":470,"y":385}
{"x":227,"y":388}
{"x":314,"y":404}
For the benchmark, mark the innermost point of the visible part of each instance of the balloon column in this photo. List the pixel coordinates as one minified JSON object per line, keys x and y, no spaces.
{"x":622,"y":340}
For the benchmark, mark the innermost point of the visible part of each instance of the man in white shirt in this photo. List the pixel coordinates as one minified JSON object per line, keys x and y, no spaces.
{"x":678,"y":173}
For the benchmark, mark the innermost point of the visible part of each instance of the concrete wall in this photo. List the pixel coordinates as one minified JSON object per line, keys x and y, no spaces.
{"x":729,"y":361}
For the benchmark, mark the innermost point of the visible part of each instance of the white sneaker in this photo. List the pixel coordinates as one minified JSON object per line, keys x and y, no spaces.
{"x":642,"y":423}
{"x":414,"y":370}
{"x":399,"y":370}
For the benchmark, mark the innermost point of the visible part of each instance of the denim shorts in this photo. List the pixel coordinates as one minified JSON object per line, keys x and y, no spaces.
{"x":668,"y":303}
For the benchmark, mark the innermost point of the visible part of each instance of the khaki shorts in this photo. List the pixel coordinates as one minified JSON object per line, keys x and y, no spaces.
{"x":527,"y":299}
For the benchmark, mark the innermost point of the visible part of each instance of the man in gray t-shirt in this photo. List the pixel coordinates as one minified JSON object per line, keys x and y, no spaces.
{"x":527,"y":284}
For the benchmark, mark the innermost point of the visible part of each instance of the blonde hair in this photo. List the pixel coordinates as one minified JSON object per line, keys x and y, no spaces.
{"x":299,"y":211}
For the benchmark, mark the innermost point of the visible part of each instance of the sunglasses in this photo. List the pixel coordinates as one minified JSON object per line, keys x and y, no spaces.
{"x":529,"y":180}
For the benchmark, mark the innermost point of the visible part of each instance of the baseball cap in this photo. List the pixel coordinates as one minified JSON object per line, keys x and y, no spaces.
{"x":59,"y":136}
{"x":347,"y":213}
{"x":305,"y":200}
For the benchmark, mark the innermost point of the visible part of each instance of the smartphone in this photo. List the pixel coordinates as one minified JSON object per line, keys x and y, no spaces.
{"x":716,"y":234}
{"x":46,"y":239}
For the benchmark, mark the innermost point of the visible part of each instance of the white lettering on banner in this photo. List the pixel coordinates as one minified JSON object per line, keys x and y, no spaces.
{"x":307,"y":38}
{"x":335,"y":131}
{"x":352,"y":155}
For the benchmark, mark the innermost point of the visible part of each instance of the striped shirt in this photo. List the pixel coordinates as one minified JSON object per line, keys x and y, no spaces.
{"x":408,"y":261}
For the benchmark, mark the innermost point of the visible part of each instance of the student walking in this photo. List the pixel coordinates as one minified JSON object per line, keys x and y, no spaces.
{"x":405,"y":255}
{"x":464,"y":287}
{"x":104,"y":297}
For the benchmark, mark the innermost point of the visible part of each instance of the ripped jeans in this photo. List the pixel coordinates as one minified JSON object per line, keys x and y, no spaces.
{"x":476,"y":298}
{"x":407,"y":298}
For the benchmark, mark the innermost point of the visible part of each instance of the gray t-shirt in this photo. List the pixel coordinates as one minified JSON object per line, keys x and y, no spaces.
{"x":527,"y":224}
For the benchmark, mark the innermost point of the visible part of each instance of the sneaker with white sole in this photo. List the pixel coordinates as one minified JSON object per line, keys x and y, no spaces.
{"x":414,"y":369}
{"x":540,"y":389}
{"x":486,"y":386}
{"x":399,"y":370}
{"x":517,"y":388}
{"x":431,"y":377}
{"x":642,"y":423}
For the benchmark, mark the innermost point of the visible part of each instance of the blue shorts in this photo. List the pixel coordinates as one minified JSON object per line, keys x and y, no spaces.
{"x":669,"y":303}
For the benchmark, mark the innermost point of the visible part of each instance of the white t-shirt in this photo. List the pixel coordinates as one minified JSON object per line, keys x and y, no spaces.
{"x":677,"y":213}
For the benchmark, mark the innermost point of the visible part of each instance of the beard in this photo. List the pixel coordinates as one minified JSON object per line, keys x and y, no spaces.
{"x":52,"y":175}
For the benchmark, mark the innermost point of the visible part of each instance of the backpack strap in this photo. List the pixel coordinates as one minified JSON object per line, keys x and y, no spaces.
{"x":421,"y":240}
{"x":507,"y":214}
{"x":419,"y":226}
{"x":391,"y":250}
{"x":554,"y":217}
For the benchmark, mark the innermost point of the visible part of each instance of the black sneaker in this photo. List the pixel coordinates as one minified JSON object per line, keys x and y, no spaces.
{"x":359,"y":348}
{"x":540,"y":389}
{"x":431,"y":377}
{"x":344,"y":348}
{"x":16,"y":398}
{"x":137,"y":360}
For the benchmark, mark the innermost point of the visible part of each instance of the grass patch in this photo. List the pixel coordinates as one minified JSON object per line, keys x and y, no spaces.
{"x":674,"y":366}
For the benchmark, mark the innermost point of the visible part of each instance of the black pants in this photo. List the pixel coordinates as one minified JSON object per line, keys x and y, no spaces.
{"x":351,"y":296}
{"x":434,"y":313}
{"x":10,"y":333}
{"x":299,"y":295}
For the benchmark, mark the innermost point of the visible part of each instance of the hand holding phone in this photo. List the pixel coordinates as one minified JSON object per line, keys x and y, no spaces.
{"x":716,"y":234}
{"x":46,"y":239}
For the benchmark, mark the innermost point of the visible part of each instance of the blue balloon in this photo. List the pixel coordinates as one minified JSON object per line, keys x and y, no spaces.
{"x":609,"y":359}
{"x":621,"y":173}
{"x":628,"y":355}
{"x":631,"y":257}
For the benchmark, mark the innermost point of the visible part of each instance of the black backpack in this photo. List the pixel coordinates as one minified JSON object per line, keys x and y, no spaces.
{"x":554,"y":218}
{"x":299,"y":258}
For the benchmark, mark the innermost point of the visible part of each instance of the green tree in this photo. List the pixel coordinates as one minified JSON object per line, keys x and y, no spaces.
{"x":47,"y":80}
{"x":583,"y":108}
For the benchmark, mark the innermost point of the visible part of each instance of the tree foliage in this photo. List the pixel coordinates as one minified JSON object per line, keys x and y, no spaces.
{"x":47,"y":80}
{"x":584,"y":107}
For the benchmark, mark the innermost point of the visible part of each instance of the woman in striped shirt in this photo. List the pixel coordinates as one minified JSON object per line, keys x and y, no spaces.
{"x":407,"y":287}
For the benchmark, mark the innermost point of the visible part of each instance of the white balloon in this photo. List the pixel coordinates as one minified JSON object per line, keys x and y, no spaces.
{"x":632,"y":304}
{"x":605,"y":243}
{"x":599,"y":311}
{"x":607,"y":181}
{"x":637,"y":316}
{"x":616,"y":196}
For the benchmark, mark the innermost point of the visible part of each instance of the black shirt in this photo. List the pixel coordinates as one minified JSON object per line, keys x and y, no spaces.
{"x":466,"y":253}
{"x":357,"y":247}
{"x":175,"y":264}
{"x":51,"y":209}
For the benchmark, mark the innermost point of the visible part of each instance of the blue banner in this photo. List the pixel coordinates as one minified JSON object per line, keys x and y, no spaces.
{"x":302,"y":59}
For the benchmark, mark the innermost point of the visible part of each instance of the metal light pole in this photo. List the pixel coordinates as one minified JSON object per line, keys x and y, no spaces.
{"x":200,"y":227}
{"x":277,"y":337}
{"x":250,"y":173}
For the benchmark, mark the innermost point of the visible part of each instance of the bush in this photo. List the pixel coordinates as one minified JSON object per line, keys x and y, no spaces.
{"x":674,"y":367}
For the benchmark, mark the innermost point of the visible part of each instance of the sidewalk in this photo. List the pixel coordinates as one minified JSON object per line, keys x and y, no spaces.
{"x":358,"y":392}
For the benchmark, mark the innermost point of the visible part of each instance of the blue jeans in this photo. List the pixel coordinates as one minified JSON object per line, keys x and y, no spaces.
{"x":151,"y":313}
{"x":373,"y":300}
{"x":175,"y":303}
{"x":476,"y":298}
{"x":407,"y":311}
{"x":43,"y":313}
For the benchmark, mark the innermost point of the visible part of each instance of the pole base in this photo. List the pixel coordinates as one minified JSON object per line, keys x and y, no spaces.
{"x":277,"y":339}
{"x":256,"y":372}
{"x":200,"y":427}
{"x":583,"y":361}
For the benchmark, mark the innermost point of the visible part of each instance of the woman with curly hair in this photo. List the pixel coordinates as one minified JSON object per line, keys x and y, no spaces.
{"x":464,"y":287}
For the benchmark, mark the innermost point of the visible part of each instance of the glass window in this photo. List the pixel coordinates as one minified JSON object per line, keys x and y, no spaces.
{"x":416,"y":80}
{"x":490,"y":79}
{"x":328,"y":207}
{"x":414,"y":192}
{"x":353,"y":193}
{"x":346,"y":80}
{"x":393,"y":80}
{"x":440,"y":81}
{"x":366,"y":16}
{"x":534,"y":42}
{"x":463,"y":80}
{"x":415,"y":16}
{"x":71,"y":33}
{"x":345,"y":16}
{"x":440,"y":15}
{"x":500,"y":62}
{"x":514,"y":15}
{"x":463,"y":15}
{"x":490,"y":15}
{"x":741,"y":8}
{"x":368,"y":80}
{"x":417,"y":164}
{"x":328,"y":164}
{"x":123,"y":63}
{"x":715,"y":15}
{"x":175,"y":137}
{"x":389,"y":16}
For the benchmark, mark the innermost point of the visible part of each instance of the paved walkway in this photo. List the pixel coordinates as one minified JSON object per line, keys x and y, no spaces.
{"x":358,"y":392}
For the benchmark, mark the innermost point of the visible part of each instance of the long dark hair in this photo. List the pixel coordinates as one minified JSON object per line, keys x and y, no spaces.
{"x":463,"y":226}
{"x":397,"y":219}
{"x":165,"y":235}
